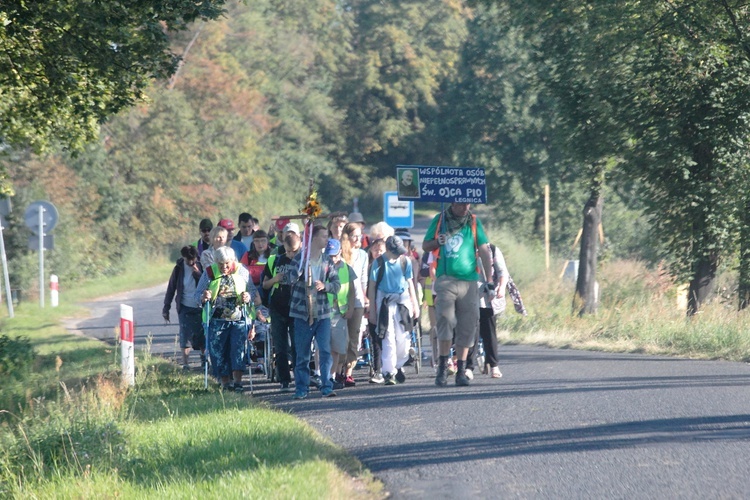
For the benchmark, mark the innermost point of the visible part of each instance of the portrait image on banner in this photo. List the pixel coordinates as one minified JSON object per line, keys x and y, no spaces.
{"x":408,"y":182}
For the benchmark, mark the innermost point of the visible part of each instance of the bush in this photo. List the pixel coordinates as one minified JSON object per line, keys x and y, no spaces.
{"x":16,"y":357}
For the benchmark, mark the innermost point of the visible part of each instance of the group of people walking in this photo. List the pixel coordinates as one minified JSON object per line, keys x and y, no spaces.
{"x":325,"y":286}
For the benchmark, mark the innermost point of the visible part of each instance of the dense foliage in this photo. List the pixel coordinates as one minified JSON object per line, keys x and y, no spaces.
{"x":641,"y":103}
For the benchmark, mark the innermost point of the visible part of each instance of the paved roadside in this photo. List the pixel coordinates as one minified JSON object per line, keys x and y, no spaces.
{"x":559,"y":424}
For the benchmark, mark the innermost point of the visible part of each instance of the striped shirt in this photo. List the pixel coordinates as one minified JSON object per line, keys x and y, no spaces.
{"x":327,"y":274}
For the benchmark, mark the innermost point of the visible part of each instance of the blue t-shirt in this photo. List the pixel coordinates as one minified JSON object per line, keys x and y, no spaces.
{"x":394,"y":279}
{"x":239,"y":248}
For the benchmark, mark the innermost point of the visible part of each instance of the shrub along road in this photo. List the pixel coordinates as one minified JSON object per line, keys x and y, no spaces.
{"x":559,"y":424}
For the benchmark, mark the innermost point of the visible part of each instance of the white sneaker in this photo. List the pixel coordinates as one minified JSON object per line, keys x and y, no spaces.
{"x":495,"y":373}
{"x":469,"y":374}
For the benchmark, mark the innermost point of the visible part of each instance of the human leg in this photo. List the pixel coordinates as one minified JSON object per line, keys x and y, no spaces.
{"x":488,"y":332}
{"x":353,"y":325}
{"x":445,"y":309}
{"x":184,"y":335}
{"x":467,"y":317}
{"x":302,"y":339}
{"x":280,"y":335}
{"x":237,"y":340}
{"x":322,"y":332}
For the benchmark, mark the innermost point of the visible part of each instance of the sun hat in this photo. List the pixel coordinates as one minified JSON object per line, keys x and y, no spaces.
{"x":356,"y":217}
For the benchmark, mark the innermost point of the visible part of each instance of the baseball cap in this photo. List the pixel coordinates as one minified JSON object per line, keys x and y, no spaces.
{"x":281,"y":224}
{"x":356,"y":217}
{"x":404,"y":234}
{"x":292,"y":227}
{"x":333,"y":247}
{"x":395,"y":245}
{"x":227,"y":224}
{"x":206,"y":224}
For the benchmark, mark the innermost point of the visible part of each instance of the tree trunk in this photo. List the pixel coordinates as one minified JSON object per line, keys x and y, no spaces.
{"x":704,"y":273}
{"x":744,"y":279}
{"x":585,"y":300}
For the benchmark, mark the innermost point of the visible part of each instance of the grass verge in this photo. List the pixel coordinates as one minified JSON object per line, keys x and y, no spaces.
{"x":68,"y":430}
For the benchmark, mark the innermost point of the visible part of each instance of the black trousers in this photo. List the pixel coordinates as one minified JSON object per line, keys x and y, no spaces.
{"x":377,"y":347}
{"x":488,"y":333}
{"x":282,"y":331}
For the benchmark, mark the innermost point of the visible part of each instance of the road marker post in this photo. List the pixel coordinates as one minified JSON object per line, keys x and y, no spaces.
{"x":54,"y":290}
{"x":127,"y":337}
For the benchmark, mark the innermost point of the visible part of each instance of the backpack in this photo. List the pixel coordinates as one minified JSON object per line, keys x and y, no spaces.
{"x":381,"y":268}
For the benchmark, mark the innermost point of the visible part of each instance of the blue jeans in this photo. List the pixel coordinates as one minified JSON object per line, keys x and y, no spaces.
{"x":303,"y":335}
{"x":226,"y":346}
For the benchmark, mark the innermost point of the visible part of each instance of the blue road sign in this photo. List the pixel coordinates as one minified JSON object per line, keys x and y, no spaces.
{"x":397,"y":213}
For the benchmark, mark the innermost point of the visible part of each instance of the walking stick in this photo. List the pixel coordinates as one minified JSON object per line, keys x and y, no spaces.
{"x":247,"y":339}
{"x":206,"y":321}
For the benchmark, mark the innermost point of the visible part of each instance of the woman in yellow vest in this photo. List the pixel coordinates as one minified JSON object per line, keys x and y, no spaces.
{"x":342,"y":308}
{"x":227,"y":286}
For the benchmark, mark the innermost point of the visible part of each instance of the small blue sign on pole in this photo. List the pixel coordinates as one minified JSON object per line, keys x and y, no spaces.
{"x":441,"y":184}
{"x":397,"y":213}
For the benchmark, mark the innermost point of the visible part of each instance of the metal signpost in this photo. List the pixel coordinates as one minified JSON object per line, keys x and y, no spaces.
{"x":41,"y":216}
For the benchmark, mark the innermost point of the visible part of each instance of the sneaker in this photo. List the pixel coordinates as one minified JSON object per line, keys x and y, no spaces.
{"x":227,"y":387}
{"x":451,"y":368}
{"x":285,"y":387}
{"x":299,"y":395}
{"x":336,"y":384}
{"x":400,"y":377}
{"x":495,"y":372}
{"x":328,"y":393}
{"x":377,"y":379}
{"x":469,"y":373}
{"x":389,"y":380}
{"x":238,"y":387}
{"x":349,"y":381}
{"x":185,"y":368}
{"x":462,"y":379}
{"x":315,"y":382}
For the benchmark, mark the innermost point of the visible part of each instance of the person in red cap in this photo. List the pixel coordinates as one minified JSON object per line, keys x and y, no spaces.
{"x":240,"y":249}
{"x":277,"y":239}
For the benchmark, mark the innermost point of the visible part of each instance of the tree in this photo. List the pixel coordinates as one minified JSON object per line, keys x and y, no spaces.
{"x":668,"y":86}
{"x":66,"y":66}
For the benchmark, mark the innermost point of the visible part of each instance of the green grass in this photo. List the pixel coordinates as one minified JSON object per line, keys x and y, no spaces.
{"x":68,"y":429}
{"x":638,"y":312}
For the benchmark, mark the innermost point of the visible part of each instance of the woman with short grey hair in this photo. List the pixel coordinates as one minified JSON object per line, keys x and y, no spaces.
{"x":227,"y":286}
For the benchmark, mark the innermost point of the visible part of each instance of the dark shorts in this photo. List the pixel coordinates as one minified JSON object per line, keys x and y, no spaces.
{"x":191,"y":328}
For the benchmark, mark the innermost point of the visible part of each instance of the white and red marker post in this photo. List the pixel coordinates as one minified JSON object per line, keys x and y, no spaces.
{"x":127,"y":337}
{"x":54,"y":289}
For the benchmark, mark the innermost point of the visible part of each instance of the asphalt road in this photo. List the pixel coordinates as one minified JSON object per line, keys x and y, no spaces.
{"x":559,"y":424}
